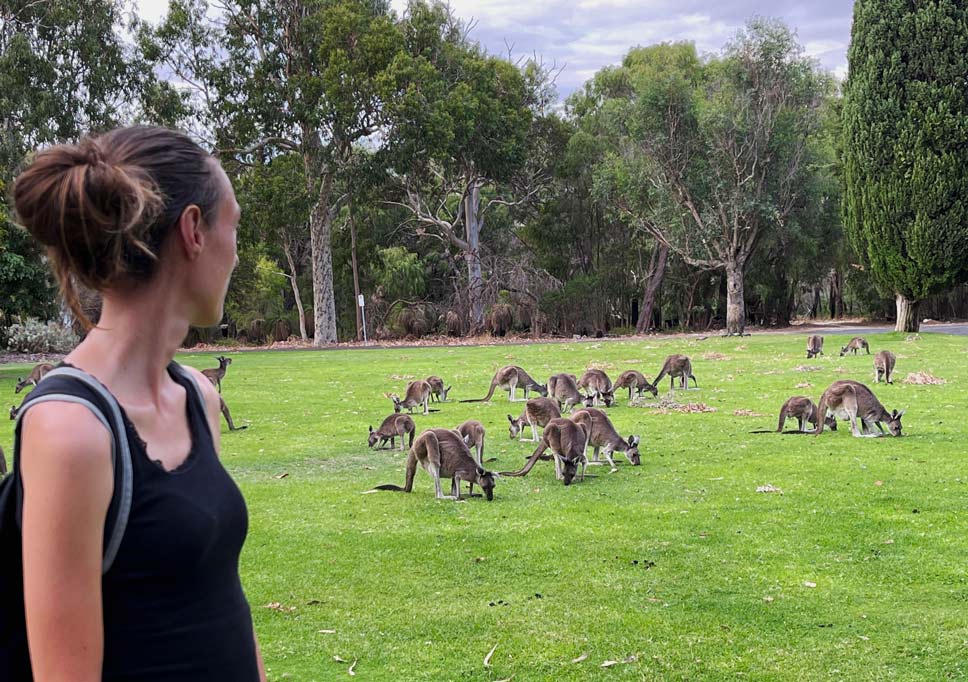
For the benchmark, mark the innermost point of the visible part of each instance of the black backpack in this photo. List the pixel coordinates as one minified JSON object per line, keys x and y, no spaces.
{"x":65,"y":384}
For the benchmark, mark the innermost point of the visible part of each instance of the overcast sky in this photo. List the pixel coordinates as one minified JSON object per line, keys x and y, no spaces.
{"x":585,"y":35}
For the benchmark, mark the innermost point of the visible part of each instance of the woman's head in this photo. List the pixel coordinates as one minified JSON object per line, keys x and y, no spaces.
{"x":112,"y":209}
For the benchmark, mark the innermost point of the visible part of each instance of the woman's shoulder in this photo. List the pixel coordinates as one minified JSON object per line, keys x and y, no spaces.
{"x":67,"y":431}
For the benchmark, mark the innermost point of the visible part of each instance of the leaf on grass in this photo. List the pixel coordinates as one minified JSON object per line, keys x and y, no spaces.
{"x":747,"y":413}
{"x":807,"y":368}
{"x":369,"y":492}
{"x":878,"y":483}
{"x":807,"y":583}
{"x":768,"y":488}
{"x":804,"y":384}
{"x":580,"y":658}
{"x":327,"y":632}
{"x":630,"y":659}
{"x":284,"y":474}
{"x":339,"y":659}
{"x":608,"y":664}
{"x":767,"y":599}
{"x":276,"y":606}
{"x":487,"y":659}
{"x":350,"y":670}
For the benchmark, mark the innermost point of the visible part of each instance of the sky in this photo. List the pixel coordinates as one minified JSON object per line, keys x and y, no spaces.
{"x":582,"y":36}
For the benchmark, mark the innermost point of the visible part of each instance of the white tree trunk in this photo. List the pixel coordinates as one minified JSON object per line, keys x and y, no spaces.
{"x":735,"y":301}
{"x":907,"y":314}
{"x":472,"y":256}
{"x":295,"y":292}
{"x":324,"y":300}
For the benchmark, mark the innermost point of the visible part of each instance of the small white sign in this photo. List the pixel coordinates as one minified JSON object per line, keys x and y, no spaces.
{"x":362,"y":301}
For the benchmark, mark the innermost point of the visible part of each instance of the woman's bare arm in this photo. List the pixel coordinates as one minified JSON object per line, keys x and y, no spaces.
{"x":68,"y":481}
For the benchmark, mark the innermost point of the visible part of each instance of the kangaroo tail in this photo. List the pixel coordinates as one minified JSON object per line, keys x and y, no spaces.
{"x":783,"y":415}
{"x":485,"y":398}
{"x":390,"y":486}
{"x":821,"y":415}
{"x":530,"y":463}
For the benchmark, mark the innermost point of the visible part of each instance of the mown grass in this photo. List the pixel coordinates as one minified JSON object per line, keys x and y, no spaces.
{"x":678,"y":563}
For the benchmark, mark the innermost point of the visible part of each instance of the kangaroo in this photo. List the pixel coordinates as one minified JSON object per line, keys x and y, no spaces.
{"x":36,"y":374}
{"x":215,"y":375}
{"x":636,"y":381}
{"x":814,"y":346}
{"x":509,"y":378}
{"x":418,"y":392}
{"x":393,"y":427}
{"x":210,"y":374}
{"x":437,"y":391}
{"x":805,"y":411}
{"x":852,"y":400}
{"x":537,"y":412}
{"x":677,"y":366}
{"x":566,"y":440}
{"x":444,"y":453}
{"x":564,"y":389}
{"x":884,"y":366}
{"x":597,"y":384}
{"x":13,"y":412}
{"x":603,"y":436}
{"x":855,"y":344}
{"x":472,"y":431}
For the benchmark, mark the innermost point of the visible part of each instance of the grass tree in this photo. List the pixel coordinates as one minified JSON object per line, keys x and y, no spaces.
{"x":906,"y":147}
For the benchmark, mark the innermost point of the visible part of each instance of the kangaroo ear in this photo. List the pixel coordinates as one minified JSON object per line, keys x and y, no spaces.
{"x":481,"y":471}
{"x":637,"y":440}
{"x":371,"y":429}
{"x":631,"y":441}
{"x":901,"y":413}
{"x":510,"y":419}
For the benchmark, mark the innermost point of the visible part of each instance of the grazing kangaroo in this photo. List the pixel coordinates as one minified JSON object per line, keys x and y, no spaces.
{"x":603,"y":436}
{"x":597,"y":384}
{"x":472,"y":431}
{"x":805,"y":411}
{"x":814,"y":346}
{"x":852,"y":400}
{"x":13,"y":412}
{"x":564,"y":389}
{"x":566,"y":440}
{"x":636,"y":381}
{"x":537,"y":412}
{"x":215,"y":375}
{"x":437,"y":391}
{"x":855,"y":344}
{"x":393,"y":427}
{"x":442,"y":452}
{"x":36,"y":374}
{"x":509,"y":378}
{"x":677,"y":366}
{"x":418,"y":392}
{"x":884,"y":366}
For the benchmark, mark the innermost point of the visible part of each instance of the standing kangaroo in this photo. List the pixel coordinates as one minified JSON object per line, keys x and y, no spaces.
{"x":852,"y":400}
{"x":636,"y":381}
{"x":814,"y":346}
{"x":437,"y":390}
{"x":509,"y":378}
{"x":677,"y":366}
{"x":443,"y":453}
{"x":566,"y":440}
{"x":884,"y":366}
{"x":472,"y":431}
{"x":221,"y":401}
{"x":855,"y":344}
{"x":603,"y":436}
{"x":36,"y":374}
{"x":537,"y":412}
{"x":418,"y":393}
{"x":215,"y":375}
{"x":805,"y":411}
{"x":393,"y":427}
{"x":597,"y":384}
{"x":564,"y":389}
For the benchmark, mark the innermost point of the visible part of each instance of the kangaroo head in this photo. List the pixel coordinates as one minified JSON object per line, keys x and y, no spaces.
{"x":396,"y":402}
{"x":570,"y":468}
{"x":21,"y":382}
{"x":373,"y":438}
{"x":444,"y":392}
{"x":652,"y":388}
{"x":515,"y":427}
{"x":633,"y":451}
{"x":843,"y":351}
{"x":609,"y":398}
{"x":588,"y":400}
{"x":894,"y":425}
{"x":542,"y":391}
{"x":13,"y":412}
{"x":485,"y":479}
{"x":830,"y":422}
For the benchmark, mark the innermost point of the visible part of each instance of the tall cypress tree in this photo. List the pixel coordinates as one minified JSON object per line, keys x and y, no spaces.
{"x":906,"y":147}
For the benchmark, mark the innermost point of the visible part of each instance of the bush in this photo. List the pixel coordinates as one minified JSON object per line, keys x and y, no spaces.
{"x":35,"y":336}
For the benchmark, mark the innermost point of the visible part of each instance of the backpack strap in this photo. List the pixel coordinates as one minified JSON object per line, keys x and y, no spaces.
{"x":120,"y":450}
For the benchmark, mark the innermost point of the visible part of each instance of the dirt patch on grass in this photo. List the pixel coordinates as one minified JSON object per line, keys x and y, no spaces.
{"x":747,"y":413}
{"x":669,"y":405}
{"x":807,"y":368}
{"x":923,"y":378}
{"x":715,"y":356}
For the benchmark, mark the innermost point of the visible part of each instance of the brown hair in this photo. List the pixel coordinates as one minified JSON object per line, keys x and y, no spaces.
{"x":105,"y":206}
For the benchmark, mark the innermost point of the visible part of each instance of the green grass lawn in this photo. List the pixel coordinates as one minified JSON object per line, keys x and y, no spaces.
{"x":677,"y":569}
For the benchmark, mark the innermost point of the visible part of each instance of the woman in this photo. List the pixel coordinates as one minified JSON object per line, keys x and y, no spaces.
{"x":147,"y":218}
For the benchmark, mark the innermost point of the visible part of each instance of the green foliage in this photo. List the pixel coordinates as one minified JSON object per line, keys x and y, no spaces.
{"x":26,"y":286}
{"x":906,"y":143}
{"x":34,"y":336}
{"x":400,"y":274}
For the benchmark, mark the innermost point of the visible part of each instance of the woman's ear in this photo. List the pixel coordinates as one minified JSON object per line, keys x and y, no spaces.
{"x":191,"y":232}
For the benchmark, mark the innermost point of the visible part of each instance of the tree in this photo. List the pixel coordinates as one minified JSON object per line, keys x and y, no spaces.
{"x":712,"y":153}
{"x":461,"y":124}
{"x":906,"y":147}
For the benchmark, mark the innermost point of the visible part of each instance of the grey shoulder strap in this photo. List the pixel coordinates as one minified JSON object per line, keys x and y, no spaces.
{"x":119,"y":445}
{"x":193,"y":382}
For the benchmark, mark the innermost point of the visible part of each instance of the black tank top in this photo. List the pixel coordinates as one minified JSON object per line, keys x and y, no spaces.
{"x":174,"y":608}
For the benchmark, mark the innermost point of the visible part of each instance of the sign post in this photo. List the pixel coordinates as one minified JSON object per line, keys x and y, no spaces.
{"x":362,"y":301}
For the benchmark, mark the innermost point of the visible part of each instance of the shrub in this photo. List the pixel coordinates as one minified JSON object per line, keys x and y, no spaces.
{"x":34,"y":336}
